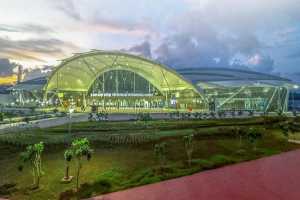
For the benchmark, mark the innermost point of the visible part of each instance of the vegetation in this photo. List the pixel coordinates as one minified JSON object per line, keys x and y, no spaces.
{"x":144,"y":117}
{"x":160,"y":154}
{"x":1,"y":116}
{"x":115,"y":132}
{"x":285,"y":129}
{"x":68,"y":155}
{"x":253,"y":135}
{"x":123,"y":153}
{"x":33,"y":155}
{"x":79,"y":148}
{"x":188,"y":144}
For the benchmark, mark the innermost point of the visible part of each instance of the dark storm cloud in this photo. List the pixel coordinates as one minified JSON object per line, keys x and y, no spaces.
{"x":265,"y":64}
{"x":246,"y":44}
{"x":197,"y":43}
{"x":6,"y":67}
{"x":190,"y":50}
{"x":182,"y":51}
{"x":38,"y":72}
{"x":28,"y":28}
{"x":40,"y":45}
{"x":143,"y":49}
{"x":29,"y":48}
{"x":293,"y":76}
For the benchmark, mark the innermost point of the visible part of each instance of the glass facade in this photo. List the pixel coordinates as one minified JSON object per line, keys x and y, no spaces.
{"x":115,"y":81}
{"x":261,"y":99}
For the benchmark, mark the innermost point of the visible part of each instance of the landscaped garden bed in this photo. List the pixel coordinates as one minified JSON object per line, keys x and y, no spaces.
{"x":128,"y":154}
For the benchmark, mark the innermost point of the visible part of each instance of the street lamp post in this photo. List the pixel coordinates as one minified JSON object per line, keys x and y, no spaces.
{"x":295,"y":88}
{"x":71,"y":110}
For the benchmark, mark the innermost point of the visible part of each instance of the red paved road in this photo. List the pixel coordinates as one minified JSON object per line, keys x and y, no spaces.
{"x":272,"y":178}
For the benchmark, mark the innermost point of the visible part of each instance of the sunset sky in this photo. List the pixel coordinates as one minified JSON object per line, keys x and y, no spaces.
{"x":261,"y":35}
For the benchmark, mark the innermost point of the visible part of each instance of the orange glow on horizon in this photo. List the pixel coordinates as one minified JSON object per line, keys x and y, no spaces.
{"x":8,"y":80}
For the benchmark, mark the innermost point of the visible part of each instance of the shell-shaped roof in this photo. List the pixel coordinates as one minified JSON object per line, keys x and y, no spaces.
{"x":229,"y":77}
{"x":80,"y":71}
{"x":225,"y":74}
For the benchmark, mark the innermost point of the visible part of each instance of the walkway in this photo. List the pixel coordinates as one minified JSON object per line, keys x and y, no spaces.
{"x":272,"y":178}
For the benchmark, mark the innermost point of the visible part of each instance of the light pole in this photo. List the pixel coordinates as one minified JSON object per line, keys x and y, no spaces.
{"x":295,"y":88}
{"x":71,"y":110}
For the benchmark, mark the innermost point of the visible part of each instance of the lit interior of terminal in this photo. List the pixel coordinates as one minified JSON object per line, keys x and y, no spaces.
{"x":120,"y":82}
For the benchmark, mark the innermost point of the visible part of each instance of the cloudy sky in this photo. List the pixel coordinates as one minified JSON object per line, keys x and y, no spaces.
{"x":261,"y":35}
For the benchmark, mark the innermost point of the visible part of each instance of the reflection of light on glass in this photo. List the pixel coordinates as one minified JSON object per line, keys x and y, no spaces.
{"x":71,"y":110}
{"x":173,"y":101}
{"x":266,"y":90}
{"x":295,"y":86}
{"x":248,"y":92}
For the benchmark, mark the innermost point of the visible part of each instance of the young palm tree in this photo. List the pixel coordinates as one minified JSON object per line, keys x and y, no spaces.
{"x":160,"y":153}
{"x":1,"y":116}
{"x":189,"y":147}
{"x":33,"y":155}
{"x":253,"y":135}
{"x":80,"y":148}
{"x":68,"y":155}
{"x":285,"y":129}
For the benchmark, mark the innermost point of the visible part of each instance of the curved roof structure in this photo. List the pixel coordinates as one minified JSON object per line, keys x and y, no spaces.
{"x":229,"y":77}
{"x":81,"y":70}
{"x":225,"y":74}
{"x":30,"y":85}
{"x":93,"y":78}
{"x":78,"y":73}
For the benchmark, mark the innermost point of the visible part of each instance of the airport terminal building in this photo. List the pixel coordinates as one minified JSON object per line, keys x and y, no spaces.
{"x":121,"y":82}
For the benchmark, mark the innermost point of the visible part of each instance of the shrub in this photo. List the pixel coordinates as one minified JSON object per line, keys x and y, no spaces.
{"x":221,"y":160}
{"x":26,"y":119}
{"x":144,"y":117}
{"x":87,"y":190}
{"x":204,"y":164}
{"x":7,"y":188}
{"x":67,"y":195}
{"x":148,"y":180}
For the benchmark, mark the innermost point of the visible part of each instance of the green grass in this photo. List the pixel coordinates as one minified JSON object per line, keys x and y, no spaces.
{"x":115,"y":167}
{"x":100,"y":131}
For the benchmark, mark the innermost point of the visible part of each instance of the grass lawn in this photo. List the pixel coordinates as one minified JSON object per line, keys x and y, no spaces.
{"x":124,"y":153}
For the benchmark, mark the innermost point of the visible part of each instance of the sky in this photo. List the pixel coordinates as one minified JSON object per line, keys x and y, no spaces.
{"x":260,"y":35}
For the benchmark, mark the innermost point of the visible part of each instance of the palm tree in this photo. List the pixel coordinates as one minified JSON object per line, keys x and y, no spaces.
{"x":68,"y":155}
{"x":33,"y":155}
{"x":79,"y":148}
{"x":253,"y":135}
{"x":285,"y":129}
{"x":160,"y":153}
{"x":189,"y":147}
{"x":1,"y":116}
